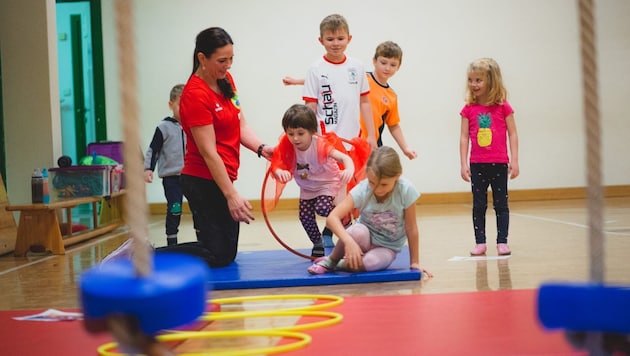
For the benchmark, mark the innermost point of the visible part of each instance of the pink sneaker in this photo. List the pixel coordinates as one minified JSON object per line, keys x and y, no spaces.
{"x":503,"y":250}
{"x":320,"y":266}
{"x":479,"y":250}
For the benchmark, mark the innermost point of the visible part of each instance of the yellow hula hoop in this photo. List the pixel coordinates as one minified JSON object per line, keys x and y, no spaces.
{"x":332,"y":318}
{"x":313,"y":310}
{"x":334,"y":300}
{"x":302,"y":340}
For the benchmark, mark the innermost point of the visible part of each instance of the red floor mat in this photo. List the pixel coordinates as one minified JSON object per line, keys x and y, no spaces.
{"x":58,"y":338}
{"x":30,"y":338}
{"x":480,"y":323}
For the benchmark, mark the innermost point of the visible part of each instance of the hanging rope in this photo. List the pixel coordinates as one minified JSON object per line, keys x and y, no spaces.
{"x":135,"y":202}
{"x":595,"y":199}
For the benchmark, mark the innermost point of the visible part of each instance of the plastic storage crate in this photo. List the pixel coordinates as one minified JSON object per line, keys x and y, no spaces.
{"x":79,"y":181}
{"x":110,"y":149}
{"x":113,"y":150}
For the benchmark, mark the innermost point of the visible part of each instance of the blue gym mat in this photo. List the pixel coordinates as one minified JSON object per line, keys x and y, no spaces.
{"x":281,"y":268}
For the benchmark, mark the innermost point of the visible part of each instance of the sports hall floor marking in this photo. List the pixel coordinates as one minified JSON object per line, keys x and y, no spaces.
{"x":584,"y":226}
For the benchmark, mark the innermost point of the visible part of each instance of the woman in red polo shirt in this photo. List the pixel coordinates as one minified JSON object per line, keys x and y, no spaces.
{"x":215,"y":129}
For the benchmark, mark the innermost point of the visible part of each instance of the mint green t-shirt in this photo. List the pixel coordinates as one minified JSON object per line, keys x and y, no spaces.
{"x":385,"y":221}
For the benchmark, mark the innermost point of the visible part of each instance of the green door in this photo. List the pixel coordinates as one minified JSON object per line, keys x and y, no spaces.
{"x":81,"y":82}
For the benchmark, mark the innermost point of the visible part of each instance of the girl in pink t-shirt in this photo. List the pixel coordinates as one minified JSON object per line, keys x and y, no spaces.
{"x":487,"y":129}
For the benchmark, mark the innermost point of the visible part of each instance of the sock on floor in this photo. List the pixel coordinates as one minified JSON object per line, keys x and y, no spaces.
{"x":328,"y":263}
{"x":340,"y":264}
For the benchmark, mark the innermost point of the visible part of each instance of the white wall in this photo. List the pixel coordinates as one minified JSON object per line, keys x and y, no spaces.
{"x":536,"y":42}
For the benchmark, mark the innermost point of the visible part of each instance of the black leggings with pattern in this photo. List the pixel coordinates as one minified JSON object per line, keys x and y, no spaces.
{"x":494,"y":175}
{"x":322,"y":206}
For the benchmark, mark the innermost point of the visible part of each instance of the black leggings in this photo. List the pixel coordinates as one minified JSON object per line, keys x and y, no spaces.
{"x":217,"y":233}
{"x":494,"y":175}
{"x":322,"y":206}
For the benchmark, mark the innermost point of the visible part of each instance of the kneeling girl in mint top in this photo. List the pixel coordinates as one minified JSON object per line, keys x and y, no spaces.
{"x":387,"y":220}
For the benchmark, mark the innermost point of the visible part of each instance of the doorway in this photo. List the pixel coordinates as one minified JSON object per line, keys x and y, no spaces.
{"x":81,"y":76}
{"x":81,"y":82}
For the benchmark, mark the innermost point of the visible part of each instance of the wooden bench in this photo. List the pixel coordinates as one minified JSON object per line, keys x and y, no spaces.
{"x":39,"y":224}
{"x":8,"y":229}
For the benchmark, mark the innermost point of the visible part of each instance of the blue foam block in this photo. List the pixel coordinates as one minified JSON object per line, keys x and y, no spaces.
{"x":281,"y":268}
{"x":584,"y":307}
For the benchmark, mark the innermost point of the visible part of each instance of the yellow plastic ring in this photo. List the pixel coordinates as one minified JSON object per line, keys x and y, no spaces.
{"x":334,"y":300}
{"x":289,"y":332}
{"x":333,"y":318}
{"x":303,"y":340}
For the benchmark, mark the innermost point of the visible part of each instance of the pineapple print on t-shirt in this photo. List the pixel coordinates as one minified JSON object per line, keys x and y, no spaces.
{"x":484,"y":135}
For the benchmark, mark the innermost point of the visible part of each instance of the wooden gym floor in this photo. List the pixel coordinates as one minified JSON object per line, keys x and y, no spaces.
{"x":549,"y":242}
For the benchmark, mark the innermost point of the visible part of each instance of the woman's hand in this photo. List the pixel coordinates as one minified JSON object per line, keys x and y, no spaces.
{"x":267,"y":152}
{"x":240,"y":209}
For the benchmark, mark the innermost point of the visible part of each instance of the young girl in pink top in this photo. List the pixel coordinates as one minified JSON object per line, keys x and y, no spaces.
{"x":314,"y":164}
{"x":487,"y":128}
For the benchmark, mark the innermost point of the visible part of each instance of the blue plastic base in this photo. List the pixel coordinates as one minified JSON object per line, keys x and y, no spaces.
{"x":173,"y":295}
{"x":585,"y":307}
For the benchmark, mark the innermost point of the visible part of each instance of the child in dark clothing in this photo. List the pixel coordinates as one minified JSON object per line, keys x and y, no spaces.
{"x":167,"y":152}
